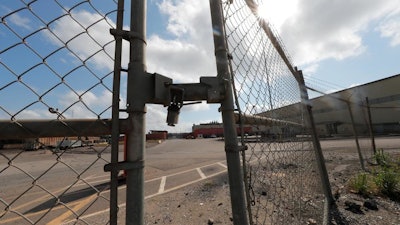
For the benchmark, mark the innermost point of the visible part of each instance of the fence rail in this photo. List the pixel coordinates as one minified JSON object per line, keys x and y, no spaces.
{"x":59,"y":128}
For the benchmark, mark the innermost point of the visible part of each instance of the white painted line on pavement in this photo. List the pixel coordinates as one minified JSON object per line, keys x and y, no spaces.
{"x":93,"y":177}
{"x":223,"y":165}
{"x":162,"y":184}
{"x":182,"y":185}
{"x":202,"y":175}
{"x":146,"y":197}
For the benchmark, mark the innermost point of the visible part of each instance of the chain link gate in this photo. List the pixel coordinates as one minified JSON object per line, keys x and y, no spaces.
{"x":285,"y":175}
{"x":69,"y":118}
{"x":62,"y":116}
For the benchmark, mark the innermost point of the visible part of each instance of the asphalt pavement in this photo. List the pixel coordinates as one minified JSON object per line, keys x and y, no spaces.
{"x":52,"y":188}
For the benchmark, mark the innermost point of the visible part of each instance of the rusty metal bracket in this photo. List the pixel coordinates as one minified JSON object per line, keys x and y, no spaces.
{"x":208,"y":89}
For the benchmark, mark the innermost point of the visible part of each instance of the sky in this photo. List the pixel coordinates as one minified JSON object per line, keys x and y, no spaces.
{"x":338,"y":44}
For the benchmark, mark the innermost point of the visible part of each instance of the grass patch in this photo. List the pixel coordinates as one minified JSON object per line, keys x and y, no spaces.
{"x":384,"y":180}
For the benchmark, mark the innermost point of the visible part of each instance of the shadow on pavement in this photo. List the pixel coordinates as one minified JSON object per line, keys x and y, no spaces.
{"x":75,"y":196}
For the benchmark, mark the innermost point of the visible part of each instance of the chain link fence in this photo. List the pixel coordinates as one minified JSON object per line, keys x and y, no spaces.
{"x":282,"y":179}
{"x":56,"y":90}
{"x":56,"y":67}
{"x":344,"y":115}
{"x":357,"y":122}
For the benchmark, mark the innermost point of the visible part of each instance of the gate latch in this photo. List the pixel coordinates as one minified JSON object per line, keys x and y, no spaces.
{"x":175,"y":105}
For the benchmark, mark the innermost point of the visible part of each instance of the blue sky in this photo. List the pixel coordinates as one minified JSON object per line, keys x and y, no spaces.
{"x":338,"y":44}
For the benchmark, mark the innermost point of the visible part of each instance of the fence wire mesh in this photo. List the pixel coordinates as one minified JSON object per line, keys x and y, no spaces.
{"x":283,"y":184}
{"x":56,"y":63}
{"x":355,"y":123}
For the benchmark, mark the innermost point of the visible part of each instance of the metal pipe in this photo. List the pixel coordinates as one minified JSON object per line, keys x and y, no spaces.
{"x":235,"y":172}
{"x":353,"y":125}
{"x":262,"y":120}
{"x":320,"y":160}
{"x":115,"y":117}
{"x":371,"y":129}
{"x":57,"y":128}
{"x":136,"y":108}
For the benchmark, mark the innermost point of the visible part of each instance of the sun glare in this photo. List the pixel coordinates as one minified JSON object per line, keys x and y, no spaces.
{"x":276,"y":11}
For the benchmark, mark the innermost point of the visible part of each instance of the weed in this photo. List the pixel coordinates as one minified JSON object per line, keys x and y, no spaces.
{"x":388,"y":182}
{"x":382,"y":159}
{"x":361,"y":184}
{"x":385,"y":178}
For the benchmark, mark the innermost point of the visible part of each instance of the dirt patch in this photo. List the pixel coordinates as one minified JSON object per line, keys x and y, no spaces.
{"x":353,"y":208}
{"x":208,"y":202}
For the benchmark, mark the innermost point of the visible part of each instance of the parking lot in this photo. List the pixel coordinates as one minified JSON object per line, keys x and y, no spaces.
{"x":32,"y":181}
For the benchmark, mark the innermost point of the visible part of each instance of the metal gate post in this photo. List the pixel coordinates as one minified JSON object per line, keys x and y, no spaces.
{"x":326,"y":186}
{"x":115,"y":117}
{"x":235,"y":172}
{"x":136,"y":108}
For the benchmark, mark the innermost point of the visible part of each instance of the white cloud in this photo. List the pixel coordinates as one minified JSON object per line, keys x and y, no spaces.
{"x":189,"y":53}
{"x":156,"y":117}
{"x":189,"y":19}
{"x":325,"y":29}
{"x":86,"y":38}
{"x":277,"y":12}
{"x":390,"y":28}
{"x":89,"y":105}
{"x":20,"y":21}
{"x":310,"y":69}
{"x":33,"y":114}
{"x":180,"y":60}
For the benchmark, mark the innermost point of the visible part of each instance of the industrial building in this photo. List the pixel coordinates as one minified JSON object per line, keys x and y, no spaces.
{"x":48,"y":142}
{"x":214,"y":129}
{"x":378,"y":102}
{"x":157,"y":135}
{"x":334,"y":114}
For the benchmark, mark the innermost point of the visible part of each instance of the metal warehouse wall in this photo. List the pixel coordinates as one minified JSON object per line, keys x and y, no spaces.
{"x":332,"y":115}
{"x":384,"y":102}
